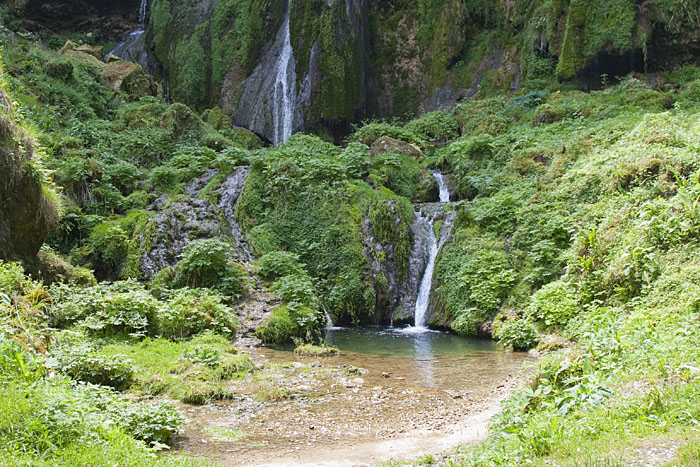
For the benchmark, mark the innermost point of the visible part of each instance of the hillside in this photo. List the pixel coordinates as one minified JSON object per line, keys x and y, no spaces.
{"x":549,"y":157}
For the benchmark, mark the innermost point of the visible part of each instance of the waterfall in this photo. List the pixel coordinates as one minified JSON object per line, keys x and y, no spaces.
{"x":329,"y":320}
{"x":423,"y":299}
{"x":444,"y":191}
{"x":132,"y":48}
{"x":143,"y":12}
{"x":430,"y":241}
{"x":285,"y":88}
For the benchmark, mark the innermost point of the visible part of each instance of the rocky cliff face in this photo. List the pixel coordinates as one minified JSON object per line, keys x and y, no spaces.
{"x":356,"y":59}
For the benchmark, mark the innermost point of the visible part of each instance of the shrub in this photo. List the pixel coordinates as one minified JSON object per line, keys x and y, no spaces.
{"x":466,"y":322}
{"x":285,"y":324}
{"x":162,"y":282}
{"x":12,"y":278}
{"x":519,"y":334}
{"x":151,"y":423}
{"x":109,"y":244}
{"x":397,"y":172}
{"x":205,"y":354}
{"x":207,"y":264}
{"x":80,"y":361}
{"x":278,"y":328}
{"x":15,"y":363}
{"x":554,"y":304}
{"x":297,"y":290}
{"x":356,"y":158}
{"x":369,"y":133}
{"x":189,"y":312}
{"x":279,"y":263}
{"x":547,"y":114}
{"x":479,"y":147}
{"x":435,"y":127}
{"x":105,"y":309}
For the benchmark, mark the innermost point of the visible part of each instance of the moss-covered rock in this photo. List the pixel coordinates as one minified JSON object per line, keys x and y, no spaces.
{"x":386,"y":144}
{"x":28,"y":206}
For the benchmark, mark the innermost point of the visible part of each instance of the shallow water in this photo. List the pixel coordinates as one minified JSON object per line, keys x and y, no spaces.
{"x":405,"y":342}
{"x":420,"y":358}
{"x":395,"y":386}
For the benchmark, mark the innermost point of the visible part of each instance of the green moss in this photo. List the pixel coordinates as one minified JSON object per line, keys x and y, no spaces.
{"x":391,"y":221}
{"x":589,"y":27}
{"x":239,"y":30}
{"x":159,"y":20}
{"x":189,"y":72}
{"x":339,"y":62}
{"x":141,"y":226}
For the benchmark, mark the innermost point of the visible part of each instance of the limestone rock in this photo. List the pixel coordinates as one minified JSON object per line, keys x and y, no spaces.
{"x":385,"y":144}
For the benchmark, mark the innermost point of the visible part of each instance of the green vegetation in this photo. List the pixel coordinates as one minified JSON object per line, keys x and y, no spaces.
{"x":309,"y":350}
{"x":205,"y":264}
{"x":309,"y":198}
{"x":582,"y":226}
{"x":195,"y":371}
{"x":577,"y":224}
{"x":60,"y":420}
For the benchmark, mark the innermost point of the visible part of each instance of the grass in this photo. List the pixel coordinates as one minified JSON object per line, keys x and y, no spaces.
{"x":310,"y":350}
{"x":198,"y":370}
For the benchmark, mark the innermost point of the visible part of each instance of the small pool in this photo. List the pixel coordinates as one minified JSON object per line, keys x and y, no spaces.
{"x":406,"y":343}
{"x":420,"y":358}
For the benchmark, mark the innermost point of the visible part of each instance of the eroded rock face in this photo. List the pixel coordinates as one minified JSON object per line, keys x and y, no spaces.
{"x":178,"y":222}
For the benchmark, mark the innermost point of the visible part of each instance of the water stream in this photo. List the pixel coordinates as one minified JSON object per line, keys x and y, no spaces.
{"x":143,"y":12}
{"x":424,"y":228}
{"x":229,"y":194}
{"x":285,"y":88}
{"x":132,"y":48}
{"x":423,"y":299}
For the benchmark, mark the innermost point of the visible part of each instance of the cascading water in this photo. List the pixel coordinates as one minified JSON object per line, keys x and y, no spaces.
{"x":424,"y":229}
{"x":285,"y":88}
{"x":423,"y":299}
{"x":444,"y":191}
{"x":268,"y":102}
{"x":229,"y":194}
{"x":132,"y":48}
{"x":143,"y":12}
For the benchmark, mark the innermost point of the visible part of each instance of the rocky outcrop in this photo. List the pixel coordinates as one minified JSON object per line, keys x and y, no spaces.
{"x":356,"y":59}
{"x":112,"y":18}
{"x":121,"y":75}
{"x":178,"y":222}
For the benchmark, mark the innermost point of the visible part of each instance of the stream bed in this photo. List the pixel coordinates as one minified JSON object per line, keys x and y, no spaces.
{"x":389,"y":393}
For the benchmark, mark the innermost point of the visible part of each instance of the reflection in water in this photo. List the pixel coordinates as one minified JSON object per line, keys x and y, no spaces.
{"x":424,"y":358}
{"x":398,"y":343}
{"x":429,"y":360}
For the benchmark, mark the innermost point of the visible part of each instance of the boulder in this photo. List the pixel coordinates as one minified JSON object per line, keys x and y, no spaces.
{"x":83,"y":53}
{"x":385,"y":144}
